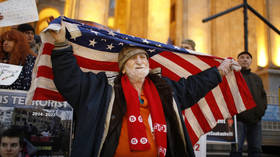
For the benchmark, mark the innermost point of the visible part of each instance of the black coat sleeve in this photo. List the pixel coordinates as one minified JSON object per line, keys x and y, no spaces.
{"x":77,"y":87}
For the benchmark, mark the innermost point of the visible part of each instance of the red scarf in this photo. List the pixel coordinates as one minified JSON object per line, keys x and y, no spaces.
{"x":137,"y":136}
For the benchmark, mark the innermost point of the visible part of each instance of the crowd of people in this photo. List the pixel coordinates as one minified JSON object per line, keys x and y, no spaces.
{"x":144,"y":109}
{"x":18,"y":47}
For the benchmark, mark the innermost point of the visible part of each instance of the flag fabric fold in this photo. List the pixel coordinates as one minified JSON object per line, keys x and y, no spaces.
{"x":96,"y":49}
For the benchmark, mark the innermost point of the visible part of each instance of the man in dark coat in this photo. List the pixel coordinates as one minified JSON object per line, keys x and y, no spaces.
{"x":249,"y":122}
{"x":137,"y":113}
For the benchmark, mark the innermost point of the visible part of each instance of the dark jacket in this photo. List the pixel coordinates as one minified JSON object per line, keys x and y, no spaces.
{"x":94,"y":99}
{"x":255,"y":85}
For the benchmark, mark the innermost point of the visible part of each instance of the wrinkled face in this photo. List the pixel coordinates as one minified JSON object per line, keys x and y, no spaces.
{"x":10,"y":147}
{"x":8,"y":45}
{"x":29,"y":35}
{"x":137,"y":67}
{"x":245,"y":61}
{"x":187,"y":46}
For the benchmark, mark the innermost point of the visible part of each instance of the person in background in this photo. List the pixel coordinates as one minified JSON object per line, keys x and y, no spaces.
{"x":33,"y":39}
{"x":12,"y":143}
{"x":188,"y":44}
{"x":249,"y":122}
{"x":15,"y":50}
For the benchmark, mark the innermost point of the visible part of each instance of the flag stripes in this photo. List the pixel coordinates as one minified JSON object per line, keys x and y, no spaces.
{"x":227,"y":99}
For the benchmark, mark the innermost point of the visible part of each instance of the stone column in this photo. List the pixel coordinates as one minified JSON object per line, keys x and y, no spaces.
{"x":158,"y":20}
{"x":89,"y":10}
{"x":143,"y":18}
{"x":131,"y":17}
{"x":271,"y":73}
{"x":274,"y":18}
{"x":193,"y":28}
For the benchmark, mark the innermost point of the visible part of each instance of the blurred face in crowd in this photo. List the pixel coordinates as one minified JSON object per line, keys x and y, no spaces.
{"x":187,"y":46}
{"x":8,"y":45}
{"x":137,"y":67}
{"x":29,"y":35}
{"x":245,"y":61}
{"x":10,"y":147}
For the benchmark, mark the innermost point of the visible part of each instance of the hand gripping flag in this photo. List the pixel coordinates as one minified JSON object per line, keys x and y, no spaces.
{"x":96,"y":49}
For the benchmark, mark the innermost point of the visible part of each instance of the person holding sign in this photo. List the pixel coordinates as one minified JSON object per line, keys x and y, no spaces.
{"x":15,"y":50}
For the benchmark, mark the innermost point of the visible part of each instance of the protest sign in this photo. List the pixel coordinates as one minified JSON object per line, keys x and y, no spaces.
{"x":47,"y":127}
{"x":9,"y":73}
{"x":224,"y":132}
{"x":17,"y":12}
{"x":200,"y":147}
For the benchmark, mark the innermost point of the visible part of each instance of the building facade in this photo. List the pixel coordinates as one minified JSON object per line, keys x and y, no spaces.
{"x":175,"y":20}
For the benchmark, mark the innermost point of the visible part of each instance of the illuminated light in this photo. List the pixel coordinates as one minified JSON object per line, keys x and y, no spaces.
{"x":94,"y":10}
{"x":261,"y":50}
{"x":276,"y":54}
{"x":111,"y":22}
{"x":198,"y":35}
{"x":262,"y":57}
{"x":158,"y":20}
{"x":69,"y":10}
{"x":276,"y":61}
{"x":43,"y":17}
{"x":196,"y":30}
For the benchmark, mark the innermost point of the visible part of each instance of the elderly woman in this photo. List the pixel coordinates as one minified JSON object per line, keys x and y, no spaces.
{"x":15,"y":50}
{"x":136,"y":114}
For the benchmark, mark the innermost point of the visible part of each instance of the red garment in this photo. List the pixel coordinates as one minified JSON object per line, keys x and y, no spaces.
{"x":123,"y":146}
{"x":136,"y":129}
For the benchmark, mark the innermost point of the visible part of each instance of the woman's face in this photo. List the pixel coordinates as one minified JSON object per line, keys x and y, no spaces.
{"x":8,"y":45}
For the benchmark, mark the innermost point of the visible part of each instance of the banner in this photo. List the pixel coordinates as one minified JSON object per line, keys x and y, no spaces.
{"x":17,"y":12}
{"x":225,"y":131}
{"x":9,"y":73}
{"x":47,"y":127}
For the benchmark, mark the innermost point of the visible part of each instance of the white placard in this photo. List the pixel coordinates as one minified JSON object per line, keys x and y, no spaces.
{"x":200,"y":147}
{"x":18,"y":11}
{"x":9,"y":73}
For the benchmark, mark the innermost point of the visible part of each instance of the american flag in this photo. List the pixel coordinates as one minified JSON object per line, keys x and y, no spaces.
{"x":96,"y":49}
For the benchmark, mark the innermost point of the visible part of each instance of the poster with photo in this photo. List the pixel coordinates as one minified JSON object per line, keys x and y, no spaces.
{"x":224,"y":132}
{"x":47,"y":128}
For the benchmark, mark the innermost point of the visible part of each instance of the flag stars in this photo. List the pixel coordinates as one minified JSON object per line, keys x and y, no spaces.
{"x":111,"y":33}
{"x":92,"y":42}
{"x":96,"y":33}
{"x":103,"y":40}
{"x":74,"y":37}
{"x":151,"y":50}
{"x":176,"y":47}
{"x":110,"y":46}
{"x":158,"y":45}
{"x":121,"y":44}
{"x":146,"y":41}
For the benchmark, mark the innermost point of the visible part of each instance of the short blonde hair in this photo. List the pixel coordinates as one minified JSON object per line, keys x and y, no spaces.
{"x":189,"y":42}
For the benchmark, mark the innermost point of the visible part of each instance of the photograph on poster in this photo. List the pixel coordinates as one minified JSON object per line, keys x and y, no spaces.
{"x":47,"y":130}
{"x":224,"y":131}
